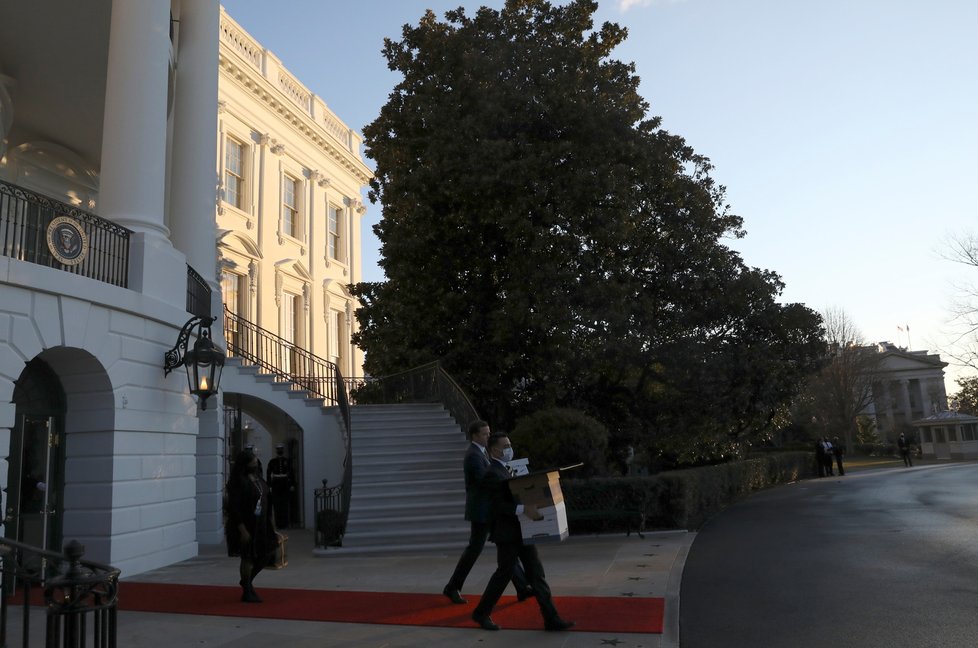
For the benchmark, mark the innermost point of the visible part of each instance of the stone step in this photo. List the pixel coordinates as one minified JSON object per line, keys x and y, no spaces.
{"x":381,"y":474}
{"x":392,"y":500}
{"x":449,"y":482}
{"x":435,"y":509}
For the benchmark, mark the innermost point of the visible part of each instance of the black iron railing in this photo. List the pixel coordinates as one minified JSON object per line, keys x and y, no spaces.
{"x":50,"y":233}
{"x":302,"y":370}
{"x":286,"y":361}
{"x":330,"y":509}
{"x":198,"y":294}
{"x":79,"y":597}
{"x":428,"y":383}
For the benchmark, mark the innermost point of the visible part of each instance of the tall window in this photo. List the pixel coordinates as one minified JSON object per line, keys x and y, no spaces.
{"x":334,"y":336}
{"x":333,"y":236}
{"x":234,"y":173}
{"x":231,"y":293}
{"x":289,"y":319}
{"x":290,"y":206}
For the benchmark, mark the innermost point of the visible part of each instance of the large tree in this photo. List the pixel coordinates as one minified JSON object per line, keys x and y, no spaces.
{"x":966,"y":399}
{"x":963,"y":349}
{"x":843,"y":388}
{"x":551,"y":244}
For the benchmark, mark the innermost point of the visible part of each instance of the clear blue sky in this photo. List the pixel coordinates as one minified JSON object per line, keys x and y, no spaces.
{"x":845,"y":131}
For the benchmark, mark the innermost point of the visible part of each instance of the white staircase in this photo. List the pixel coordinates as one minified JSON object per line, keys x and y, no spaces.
{"x":408,"y":488}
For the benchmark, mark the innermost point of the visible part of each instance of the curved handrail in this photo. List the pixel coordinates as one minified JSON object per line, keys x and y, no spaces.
{"x":290,"y":363}
{"x":428,"y":383}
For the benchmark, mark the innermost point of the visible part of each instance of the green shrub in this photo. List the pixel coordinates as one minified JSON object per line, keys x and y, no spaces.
{"x":558,"y":437}
{"x":678,"y":499}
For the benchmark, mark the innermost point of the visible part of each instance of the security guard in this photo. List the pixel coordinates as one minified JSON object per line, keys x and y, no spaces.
{"x":282,"y":483}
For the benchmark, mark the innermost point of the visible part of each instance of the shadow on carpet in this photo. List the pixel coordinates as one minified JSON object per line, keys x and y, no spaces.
{"x":591,"y":613}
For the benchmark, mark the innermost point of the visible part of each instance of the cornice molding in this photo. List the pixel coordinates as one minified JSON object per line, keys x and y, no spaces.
{"x":261,"y":89}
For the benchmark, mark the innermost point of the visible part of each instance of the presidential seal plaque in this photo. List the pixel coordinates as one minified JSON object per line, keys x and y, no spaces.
{"x":67,"y":241}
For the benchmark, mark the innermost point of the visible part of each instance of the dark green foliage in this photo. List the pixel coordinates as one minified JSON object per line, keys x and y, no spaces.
{"x":559,"y":437}
{"x":967,"y":397}
{"x":549,"y":243}
{"x":685,"y":499}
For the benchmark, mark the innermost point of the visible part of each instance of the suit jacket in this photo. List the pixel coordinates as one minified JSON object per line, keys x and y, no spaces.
{"x":476,"y":503}
{"x":504,"y":525}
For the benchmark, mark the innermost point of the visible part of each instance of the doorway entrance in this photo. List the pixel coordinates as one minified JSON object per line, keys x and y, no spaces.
{"x":35,"y":482}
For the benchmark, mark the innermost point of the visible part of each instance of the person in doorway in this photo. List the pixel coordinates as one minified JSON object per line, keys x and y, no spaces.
{"x":904,"y":446}
{"x":505,"y":532}
{"x":838,"y":451}
{"x":477,"y":513}
{"x":249,"y":530}
{"x":282,"y":482}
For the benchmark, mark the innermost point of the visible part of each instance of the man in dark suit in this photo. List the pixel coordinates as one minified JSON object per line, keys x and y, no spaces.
{"x":477,"y":513}
{"x":282,"y":482}
{"x":505,"y":531}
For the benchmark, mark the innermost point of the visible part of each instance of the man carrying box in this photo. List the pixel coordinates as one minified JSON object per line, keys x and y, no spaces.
{"x":477,"y":513}
{"x":505,"y":532}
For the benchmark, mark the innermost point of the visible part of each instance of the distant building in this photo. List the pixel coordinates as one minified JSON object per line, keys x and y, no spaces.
{"x":948,"y":435}
{"x":910,"y":386}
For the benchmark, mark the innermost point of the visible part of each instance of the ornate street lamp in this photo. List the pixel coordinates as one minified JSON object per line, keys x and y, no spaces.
{"x":203,"y":363}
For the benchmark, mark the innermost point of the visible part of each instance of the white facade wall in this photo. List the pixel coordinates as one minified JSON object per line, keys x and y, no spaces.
{"x":130,"y":469}
{"x":143,"y":466}
{"x":286,"y":131}
{"x":131,"y":446}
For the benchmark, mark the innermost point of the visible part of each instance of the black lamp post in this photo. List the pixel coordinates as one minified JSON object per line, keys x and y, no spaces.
{"x":204,"y":362}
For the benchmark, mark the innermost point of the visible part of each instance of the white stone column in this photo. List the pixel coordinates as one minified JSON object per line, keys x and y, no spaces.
{"x":925,"y":398}
{"x":133,"y":173}
{"x":134,"y":139}
{"x":905,"y":400}
{"x":193,"y":173}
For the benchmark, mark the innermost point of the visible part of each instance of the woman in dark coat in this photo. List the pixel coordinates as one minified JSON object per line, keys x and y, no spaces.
{"x":249,"y":529}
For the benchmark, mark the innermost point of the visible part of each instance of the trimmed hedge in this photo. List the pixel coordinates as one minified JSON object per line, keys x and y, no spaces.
{"x":677,"y":499}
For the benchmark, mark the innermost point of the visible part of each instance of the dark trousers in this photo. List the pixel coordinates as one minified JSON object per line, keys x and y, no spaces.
{"x":906,"y":458}
{"x":478,"y":535}
{"x":838,"y":462}
{"x":280,"y":506}
{"x":507,"y":555}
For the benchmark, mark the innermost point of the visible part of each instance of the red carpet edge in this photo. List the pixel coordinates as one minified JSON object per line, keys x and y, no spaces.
{"x":591,"y":613}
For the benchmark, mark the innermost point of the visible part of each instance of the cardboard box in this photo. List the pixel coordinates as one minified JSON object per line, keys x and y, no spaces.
{"x":542,"y":490}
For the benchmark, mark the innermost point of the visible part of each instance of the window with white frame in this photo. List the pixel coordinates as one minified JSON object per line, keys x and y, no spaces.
{"x":234,"y":175}
{"x":232,"y":294}
{"x":232,"y":291}
{"x":334,"y":336}
{"x":290,"y":206}
{"x":333,"y":248}
{"x":290,"y":304}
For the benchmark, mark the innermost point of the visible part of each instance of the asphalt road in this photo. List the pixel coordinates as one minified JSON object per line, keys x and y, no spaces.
{"x":883,"y":558}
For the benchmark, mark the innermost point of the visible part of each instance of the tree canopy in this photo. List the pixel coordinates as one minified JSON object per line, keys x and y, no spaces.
{"x":842,"y":389}
{"x":552,"y":245}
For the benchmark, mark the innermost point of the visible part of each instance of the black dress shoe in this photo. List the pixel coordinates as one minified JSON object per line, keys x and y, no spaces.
{"x":454,"y":596}
{"x":524,"y":594}
{"x":485,"y":622}
{"x":558,"y":625}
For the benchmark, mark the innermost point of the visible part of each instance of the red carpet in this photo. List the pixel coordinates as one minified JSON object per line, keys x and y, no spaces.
{"x":591,"y":613}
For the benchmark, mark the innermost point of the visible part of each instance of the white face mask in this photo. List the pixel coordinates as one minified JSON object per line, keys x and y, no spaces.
{"x":507,"y":455}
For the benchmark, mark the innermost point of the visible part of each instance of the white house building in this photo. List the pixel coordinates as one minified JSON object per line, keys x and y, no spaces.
{"x":909,"y":385}
{"x":288,"y":232}
{"x":109,"y":245}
